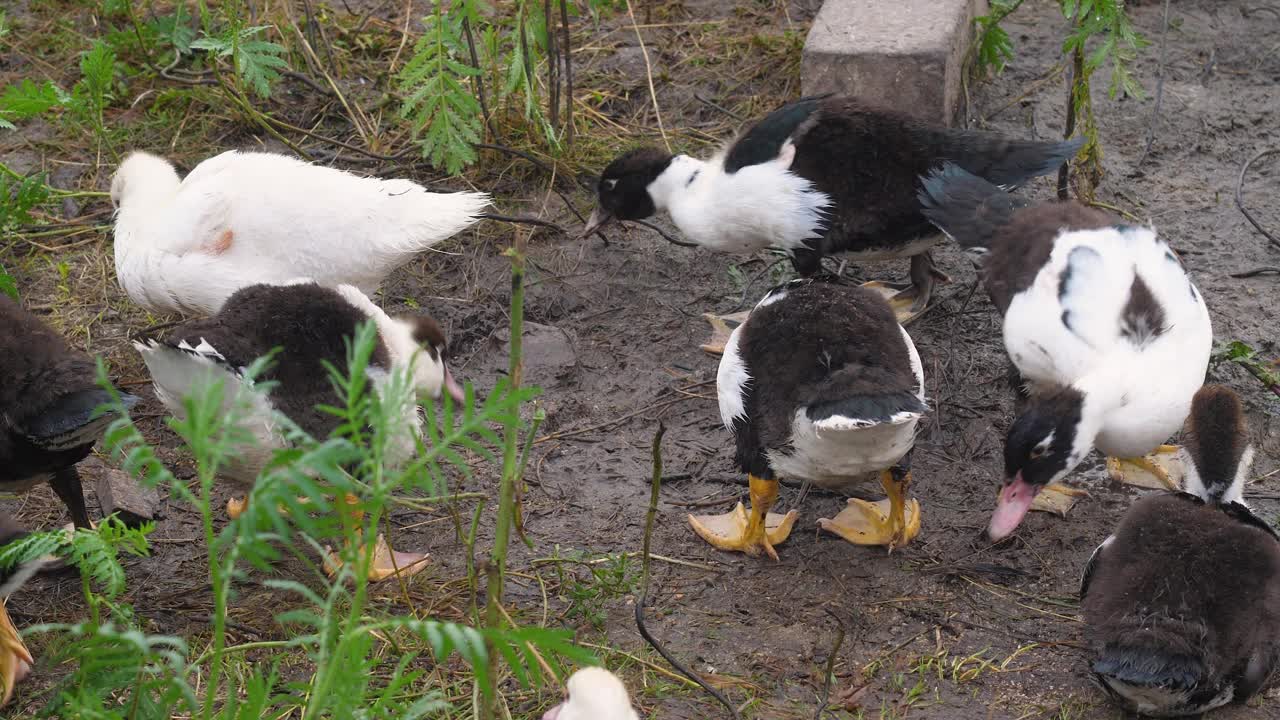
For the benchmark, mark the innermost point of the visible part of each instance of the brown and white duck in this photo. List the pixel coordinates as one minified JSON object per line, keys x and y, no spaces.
{"x":819,"y":175}
{"x":49,"y":396}
{"x":820,"y":384}
{"x":311,"y":326}
{"x":1182,"y":603}
{"x":1101,"y":321}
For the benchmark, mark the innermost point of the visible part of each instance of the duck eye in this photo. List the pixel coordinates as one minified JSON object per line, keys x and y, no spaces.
{"x":1037,"y":452}
{"x":609,"y":184}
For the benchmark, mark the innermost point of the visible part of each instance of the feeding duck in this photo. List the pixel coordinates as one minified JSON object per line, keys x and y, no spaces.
{"x":48,"y":398}
{"x":245,"y":218}
{"x":311,"y":325}
{"x":594,"y":694}
{"x":817,"y":176}
{"x":819,"y":383}
{"x":1182,"y":603}
{"x":1100,"y":319}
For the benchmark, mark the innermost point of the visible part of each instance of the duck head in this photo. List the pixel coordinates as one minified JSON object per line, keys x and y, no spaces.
{"x":594,"y":694}
{"x":141,"y":174}
{"x":431,"y":368}
{"x":1217,"y":443}
{"x":1045,"y":442}
{"x":623,"y":192}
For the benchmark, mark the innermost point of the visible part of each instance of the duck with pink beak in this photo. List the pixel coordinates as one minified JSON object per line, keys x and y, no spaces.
{"x":1110,"y":336}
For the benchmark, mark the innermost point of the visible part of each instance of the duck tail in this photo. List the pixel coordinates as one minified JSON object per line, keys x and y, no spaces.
{"x":969,"y":209}
{"x":426,"y":218}
{"x":1005,"y":162}
{"x":1155,"y":653}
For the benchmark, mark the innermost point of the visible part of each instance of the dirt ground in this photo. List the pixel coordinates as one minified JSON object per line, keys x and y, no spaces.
{"x":948,"y":627}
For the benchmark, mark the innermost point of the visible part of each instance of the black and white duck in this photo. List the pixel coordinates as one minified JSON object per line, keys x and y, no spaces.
{"x":311,"y":325}
{"x":817,"y":176}
{"x":594,"y":693}
{"x":48,"y":399}
{"x":820,"y":383}
{"x":1101,"y":321}
{"x":1182,"y":603}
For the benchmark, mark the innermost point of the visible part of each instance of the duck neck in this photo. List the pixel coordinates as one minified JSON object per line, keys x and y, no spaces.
{"x":672,"y":187}
{"x":1099,"y":400}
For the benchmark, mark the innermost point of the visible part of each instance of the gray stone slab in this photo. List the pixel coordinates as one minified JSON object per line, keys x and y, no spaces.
{"x":119,"y":493}
{"x":905,"y":54}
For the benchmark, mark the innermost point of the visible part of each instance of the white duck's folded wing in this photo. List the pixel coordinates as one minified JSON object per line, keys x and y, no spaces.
{"x":321,"y":222}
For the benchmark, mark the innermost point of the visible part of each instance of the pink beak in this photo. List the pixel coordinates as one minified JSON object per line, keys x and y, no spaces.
{"x":1014,"y":502}
{"x":553,"y":713}
{"x":452,"y":387}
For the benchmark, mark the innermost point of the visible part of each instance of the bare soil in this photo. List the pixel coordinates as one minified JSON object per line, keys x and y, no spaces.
{"x":947,"y":627}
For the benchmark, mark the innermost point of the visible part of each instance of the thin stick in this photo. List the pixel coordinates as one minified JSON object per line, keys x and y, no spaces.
{"x":655,"y":486}
{"x":479,"y":78}
{"x":1240,"y":199}
{"x":553,"y":65}
{"x":521,"y":220}
{"x":1256,"y":272}
{"x":1155,"y":111}
{"x":831,"y":666}
{"x":568,"y":73}
{"x":663,"y":233}
{"x":648,"y":71}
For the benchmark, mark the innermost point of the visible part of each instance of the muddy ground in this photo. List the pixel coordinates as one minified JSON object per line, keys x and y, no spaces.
{"x":947,"y":627}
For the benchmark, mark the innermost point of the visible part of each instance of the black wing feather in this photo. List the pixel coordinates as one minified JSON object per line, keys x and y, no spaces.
{"x":765,"y":139}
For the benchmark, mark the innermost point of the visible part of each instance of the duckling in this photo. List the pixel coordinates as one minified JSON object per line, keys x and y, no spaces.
{"x":247,"y":218}
{"x":311,"y":325}
{"x":1182,"y":603}
{"x":820,"y":383}
{"x":594,"y":694}
{"x":48,"y":398}
{"x":817,"y":176}
{"x":1100,"y":319}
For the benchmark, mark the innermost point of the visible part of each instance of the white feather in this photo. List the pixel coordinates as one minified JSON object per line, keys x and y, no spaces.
{"x":176,"y":371}
{"x":731,"y":380}
{"x":245,"y":218}
{"x":1136,"y":396}
{"x":758,"y":206}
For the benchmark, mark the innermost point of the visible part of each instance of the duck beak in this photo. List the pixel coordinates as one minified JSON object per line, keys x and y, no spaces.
{"x":1012,"y":505}
{"x":553,"y":713}
{"x":454,"y":389}
{"x":599,"y":218}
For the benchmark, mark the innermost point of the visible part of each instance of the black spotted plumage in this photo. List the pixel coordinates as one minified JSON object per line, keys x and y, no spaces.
{"x":1184,"y":598}
{"x":828,"y":348}
{"x":48,"y":395}
{"x":865,"y":158}
{"x":308,"y":325}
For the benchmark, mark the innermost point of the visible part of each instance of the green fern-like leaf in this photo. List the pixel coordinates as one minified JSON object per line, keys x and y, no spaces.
{"x":28,"y":99}
{"x":19,"y":198}
{"x":439,"y":106}
{"x":258,"y":62}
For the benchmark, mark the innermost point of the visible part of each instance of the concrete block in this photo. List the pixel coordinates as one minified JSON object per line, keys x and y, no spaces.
{"x":905,"y":54}
{"x":120,"y":493}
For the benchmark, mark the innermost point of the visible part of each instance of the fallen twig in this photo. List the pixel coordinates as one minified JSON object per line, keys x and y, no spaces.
{"x":1256,"y":272}
{"x":648,"y":71}
{"x":654,"y":487}
{"x":1155,"y":111}
{"x":663,"y":233}
{"x":1240,"y":190}
{"x":831,"y":666}
{"x":521,"y":220}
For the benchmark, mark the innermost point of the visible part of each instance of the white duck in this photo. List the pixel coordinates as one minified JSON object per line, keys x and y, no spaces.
{"x":594,"y":694}
{"x":311,"y":326}
{"x":244,"y":218}
{"x":1101,"y":320}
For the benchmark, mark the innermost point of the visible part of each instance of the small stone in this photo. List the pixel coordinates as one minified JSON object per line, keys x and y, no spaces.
{"x":120,"y":494}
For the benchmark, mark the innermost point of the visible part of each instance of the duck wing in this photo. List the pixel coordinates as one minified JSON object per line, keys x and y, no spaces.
{"x":763,"y":142}
{"x":71,"y":420}
{"x":320,"y":222}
